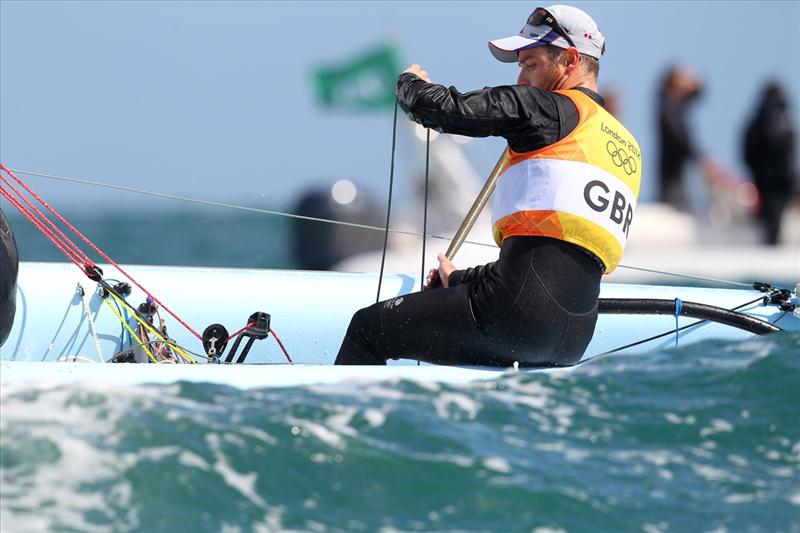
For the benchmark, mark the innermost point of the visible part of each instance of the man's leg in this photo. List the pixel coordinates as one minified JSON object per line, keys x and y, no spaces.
{"x":434,"y":326}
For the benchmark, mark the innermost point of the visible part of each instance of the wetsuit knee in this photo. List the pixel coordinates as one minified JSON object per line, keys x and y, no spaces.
{"x":358,"y":346}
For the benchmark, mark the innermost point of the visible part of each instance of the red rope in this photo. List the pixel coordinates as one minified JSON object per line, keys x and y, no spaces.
{"x":96,"y":249}
{"x":41,"y":227}
{"x":54,"y":235}
{"x":281,"y":345}
{"x":251,"y":324}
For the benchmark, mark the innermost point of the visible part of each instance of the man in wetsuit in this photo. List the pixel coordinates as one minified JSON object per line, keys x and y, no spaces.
{"x":562,"y":210}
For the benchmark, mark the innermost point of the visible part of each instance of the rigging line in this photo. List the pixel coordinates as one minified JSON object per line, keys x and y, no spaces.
{"x":389,"y":203}
{"x":136,"y":315}
{"x":88,"y":311}
{"x":232,"y":335}
{"x":43,"y":229}
{"x":131,"y":332}
{"x":688,"y":276}
{"x":58,"y":330}
{"x":780,"y":318}
{"x":94,"y":247}
{"x":328,"y":221}
{"x":54,"y":234}
{"x":67,"y":240}
{"x":425,"y":208}
{"x":64,"y":245}
{"x":257,"y":210}
{"x":280,"y":343}
{"x":122,"y":334}
{"x":655,"y":337}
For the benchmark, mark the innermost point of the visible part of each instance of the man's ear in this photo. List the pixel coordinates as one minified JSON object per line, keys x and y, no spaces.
{"x":573,"y":57}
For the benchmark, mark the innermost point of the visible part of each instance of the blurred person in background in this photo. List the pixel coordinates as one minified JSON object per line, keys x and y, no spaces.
{"x":769,"y":152}
{"x":679,"y":88}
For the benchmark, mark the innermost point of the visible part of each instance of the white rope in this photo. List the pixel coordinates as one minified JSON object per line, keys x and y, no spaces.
{"x":736,"y":283}
{"x":85,"y":300}
{"x":329,"y":221}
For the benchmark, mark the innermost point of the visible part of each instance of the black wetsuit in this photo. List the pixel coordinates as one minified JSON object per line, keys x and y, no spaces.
{"x":537,"y":304}
{"x":9,"y":265}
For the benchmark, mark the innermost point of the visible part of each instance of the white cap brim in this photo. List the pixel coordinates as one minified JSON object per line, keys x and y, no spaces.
{"x":506,"y":49}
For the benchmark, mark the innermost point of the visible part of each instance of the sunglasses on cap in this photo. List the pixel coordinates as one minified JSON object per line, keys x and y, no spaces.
{"x":542,"y":17}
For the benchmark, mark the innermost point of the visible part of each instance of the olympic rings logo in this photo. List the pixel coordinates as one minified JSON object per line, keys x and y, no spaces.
{"x":621,"y":158}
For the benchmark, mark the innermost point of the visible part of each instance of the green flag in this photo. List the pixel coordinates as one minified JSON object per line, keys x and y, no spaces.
{"x":363,"y":83}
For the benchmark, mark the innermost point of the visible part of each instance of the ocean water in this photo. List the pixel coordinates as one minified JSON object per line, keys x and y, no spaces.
{"x":701,"y":438}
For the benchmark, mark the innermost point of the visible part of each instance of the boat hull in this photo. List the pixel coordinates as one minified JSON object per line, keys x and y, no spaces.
{"x":310,"y":312}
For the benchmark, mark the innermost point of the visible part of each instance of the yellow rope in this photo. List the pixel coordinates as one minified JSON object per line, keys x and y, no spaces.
{"x":151,"y":328}
{"x":133,"y":333}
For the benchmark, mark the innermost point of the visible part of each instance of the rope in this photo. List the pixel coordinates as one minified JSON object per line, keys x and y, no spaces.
{"x":55,"y":234}
{"x":678,"y":307}
{"x":232,"y":335}
{"x":85,"y":301}
{"x":132,"y":333}
{"x":783,"y":315}
{"x":274,"y":334}
{"x":389,"y":203}
{"x":67,"y":248}
{"x":278,"y":340}
{"x":687,"y":276}
{"x":147,"y":325}
{"x":425,"y":208}
{"x":88,"y":264}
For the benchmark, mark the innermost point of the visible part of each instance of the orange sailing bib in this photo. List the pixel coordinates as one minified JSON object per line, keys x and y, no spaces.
{"x":581,"y":189}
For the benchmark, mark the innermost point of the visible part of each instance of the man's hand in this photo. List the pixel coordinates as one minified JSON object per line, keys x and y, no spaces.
{"x":443,"y":272}
{"x":417,"y":71}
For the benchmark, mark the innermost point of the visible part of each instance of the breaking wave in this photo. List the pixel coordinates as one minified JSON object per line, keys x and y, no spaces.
{"x":701,"y":438}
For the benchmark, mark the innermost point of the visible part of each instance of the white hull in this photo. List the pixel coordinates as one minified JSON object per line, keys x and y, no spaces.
{"x":310,"y":312}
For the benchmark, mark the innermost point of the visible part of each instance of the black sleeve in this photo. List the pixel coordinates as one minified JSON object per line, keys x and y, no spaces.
{"x":469,"y":275}
{"x":525,"y":116}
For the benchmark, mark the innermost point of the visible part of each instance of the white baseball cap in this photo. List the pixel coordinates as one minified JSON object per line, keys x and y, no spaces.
{"x":558,"y":25}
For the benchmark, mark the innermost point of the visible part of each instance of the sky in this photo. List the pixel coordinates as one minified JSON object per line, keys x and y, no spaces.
{"x":214,"y":100}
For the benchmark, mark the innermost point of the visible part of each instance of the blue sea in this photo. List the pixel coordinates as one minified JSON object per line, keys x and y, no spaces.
{"x":704,"y":437}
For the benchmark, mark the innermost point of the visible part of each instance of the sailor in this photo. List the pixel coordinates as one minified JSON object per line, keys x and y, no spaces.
{"x":562,"y":210}
{"x":9,"y":265}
